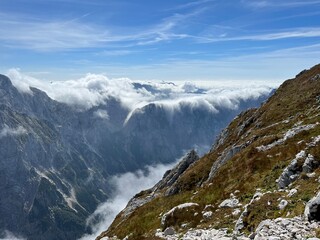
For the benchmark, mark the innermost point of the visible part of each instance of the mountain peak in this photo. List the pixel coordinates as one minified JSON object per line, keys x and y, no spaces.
{"x":5,"y":82}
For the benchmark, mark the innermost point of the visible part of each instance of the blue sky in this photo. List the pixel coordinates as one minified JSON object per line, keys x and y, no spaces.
{"x":163,"y":40}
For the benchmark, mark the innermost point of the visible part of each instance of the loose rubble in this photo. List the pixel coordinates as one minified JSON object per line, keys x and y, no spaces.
{"x":286,"y":229}
{"x":276,"y":229}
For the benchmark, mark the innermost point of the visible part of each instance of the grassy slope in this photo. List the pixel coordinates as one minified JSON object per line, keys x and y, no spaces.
{"x":295,"y":100}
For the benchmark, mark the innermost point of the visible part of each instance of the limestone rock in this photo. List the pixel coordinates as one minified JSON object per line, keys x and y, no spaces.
{"x":171,"y":176}
{"x":312,"y":209}
{"x":225,"y":156}
{"x":169,"y":218}
{"x":310,"y":164}
{"x":169,"y":231}
{"x":291,"y":172}
{"x":283,"y":203}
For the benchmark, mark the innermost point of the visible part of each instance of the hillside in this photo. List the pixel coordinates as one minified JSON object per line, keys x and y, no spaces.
{"x":260,"y":179}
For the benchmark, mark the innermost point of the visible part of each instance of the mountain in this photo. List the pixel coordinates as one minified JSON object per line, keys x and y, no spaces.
{"x":260,"y":180}
{"x":57,"y":158}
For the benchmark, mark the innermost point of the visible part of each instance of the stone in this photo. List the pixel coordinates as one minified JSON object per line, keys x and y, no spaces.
{"x":169,"y":218}
{"x":283,"y":203}
{"x":312,"y":209}
{"x":236,"y":212}
{"x":226,"y":155}
{"x":169,"y":231}
{"x":229,"y":203}
{"x":207,"y":215}
{"x":292,"y":192}
{"x":315,"y":77}
{"x":291,"y":172}
{"x":310,"y":164}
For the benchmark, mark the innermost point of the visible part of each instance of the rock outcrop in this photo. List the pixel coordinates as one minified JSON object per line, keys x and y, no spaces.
{"x":312,"y":209}
{"x":171,"y":176}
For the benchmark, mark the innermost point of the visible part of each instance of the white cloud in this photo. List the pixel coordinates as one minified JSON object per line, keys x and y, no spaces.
{"x":23,"y":32}
{"x":279,"y":4}
{"x":7,"y":131}
{"x":10,"y":236}
{"x":283,"y":34}
{"x":95,"y":89}
{"x":101,"y":114}
{"x":126,"y":186}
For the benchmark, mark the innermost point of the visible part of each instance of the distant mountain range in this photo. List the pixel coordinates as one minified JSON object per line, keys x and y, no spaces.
{"x":56,"y":158}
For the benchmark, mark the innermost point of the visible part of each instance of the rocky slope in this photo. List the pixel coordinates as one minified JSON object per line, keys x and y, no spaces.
{"x":56,"y":159}
{"x":260,"y":180}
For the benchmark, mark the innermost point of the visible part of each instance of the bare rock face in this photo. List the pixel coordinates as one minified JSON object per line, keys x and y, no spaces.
{"x":226,"y":155}
{"x":310,"y":164}
{"x":291,"y":172}
{"x":294,"y":169}
{"x":171,"y":176}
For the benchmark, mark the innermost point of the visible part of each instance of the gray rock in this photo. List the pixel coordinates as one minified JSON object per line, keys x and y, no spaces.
{"x":310,"y":164}
{"x":225,"y":156}
{"x":229,"y":203}
{"x":283,"y":203}
{"x":207,"y":215}
{"x":315,"y":77}
{"x":292,"y":192}
{"x":170,"y":177}
{"x":169,"y":218}
{"x":284,"y":228}
{"x":291,"y":172}
{"x":169,"y":231}
{"x":312,"y":209}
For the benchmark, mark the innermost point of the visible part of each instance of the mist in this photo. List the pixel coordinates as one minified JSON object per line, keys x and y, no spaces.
{"x":126,"y":186}
{"x":7,"y":235}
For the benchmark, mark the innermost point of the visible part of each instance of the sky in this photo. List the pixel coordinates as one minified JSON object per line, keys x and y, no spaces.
{"x":160,"y":40}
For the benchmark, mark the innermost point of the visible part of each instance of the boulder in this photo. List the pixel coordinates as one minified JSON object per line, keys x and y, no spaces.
{"x":179,"y":214}
{"x":229,"y":203}
{"x":310,"y":164}
{"x":169,"y":231}
{"x":283,"y":203}
{"x":312,"y":209}
{"x":291,"y":172}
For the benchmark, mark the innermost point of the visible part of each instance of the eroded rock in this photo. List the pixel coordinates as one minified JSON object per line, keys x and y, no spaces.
{"x":312,"y":209}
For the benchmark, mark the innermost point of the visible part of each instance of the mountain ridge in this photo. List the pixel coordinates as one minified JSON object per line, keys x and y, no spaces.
{"x":234,"y":188}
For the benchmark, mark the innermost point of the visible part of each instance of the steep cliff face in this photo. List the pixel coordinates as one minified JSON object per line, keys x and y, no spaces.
{"x":261,"y":177}
{"x":56,"y":159}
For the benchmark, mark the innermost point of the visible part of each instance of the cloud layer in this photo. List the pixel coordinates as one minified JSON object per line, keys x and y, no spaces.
{"x":95,"y":89}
